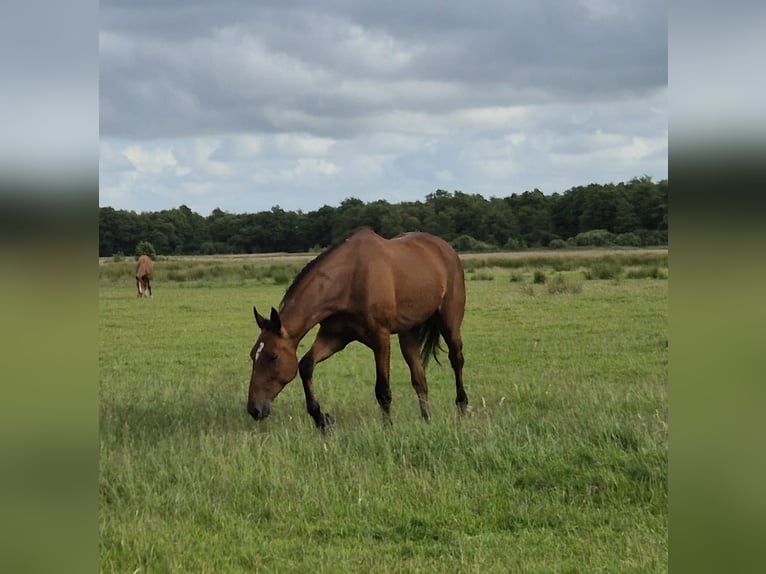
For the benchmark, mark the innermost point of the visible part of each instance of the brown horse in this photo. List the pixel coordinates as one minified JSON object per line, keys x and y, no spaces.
{"x":364,"y":289}
{"x":144,"y":270}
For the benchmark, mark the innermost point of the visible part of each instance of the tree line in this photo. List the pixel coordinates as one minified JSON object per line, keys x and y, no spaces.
{"x":627,"y":213}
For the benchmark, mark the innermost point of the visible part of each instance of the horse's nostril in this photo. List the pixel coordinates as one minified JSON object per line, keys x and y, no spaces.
{"x":259,"y":414}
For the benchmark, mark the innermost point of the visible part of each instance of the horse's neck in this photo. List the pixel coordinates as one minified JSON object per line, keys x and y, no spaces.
{"x":319,"y":295}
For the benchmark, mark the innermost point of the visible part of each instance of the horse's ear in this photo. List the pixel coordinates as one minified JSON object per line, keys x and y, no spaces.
{"x":259,"y":319}
{"x":276,"y":322}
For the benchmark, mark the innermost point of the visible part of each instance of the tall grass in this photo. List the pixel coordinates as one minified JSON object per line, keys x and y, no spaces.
{"x":569,"y":261}
{"x":608,"y":268}
{"x":642,"y":264}
{"x":196,"y":271}
{"x":560,"y":284}
{"x":560,"y":466}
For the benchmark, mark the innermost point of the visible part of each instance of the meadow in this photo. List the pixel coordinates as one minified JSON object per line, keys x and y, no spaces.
{"x":560,"y":465}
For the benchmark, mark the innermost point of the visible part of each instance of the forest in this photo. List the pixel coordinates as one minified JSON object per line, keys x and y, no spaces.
{"x":631,"y":213}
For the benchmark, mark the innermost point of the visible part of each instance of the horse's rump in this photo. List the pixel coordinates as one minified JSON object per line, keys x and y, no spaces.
{"x":144,"y":267}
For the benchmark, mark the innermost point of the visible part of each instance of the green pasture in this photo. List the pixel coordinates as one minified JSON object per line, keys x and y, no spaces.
{"x":560,"y":466}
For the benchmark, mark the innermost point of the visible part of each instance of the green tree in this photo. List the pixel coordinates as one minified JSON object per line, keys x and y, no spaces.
{"x":439,"y":215}
{"x":349,"y":215}
{"x":650,"y":201}
{"x":501,"y":223}
{"x":318,"y":227}
{"x":119,"y":231}
{"x":469,"y":213}
{"x":599,"y":209}
{"x":533,"y":211}
{"x":145,"y":248}
{"x":638,"y":206}
{"x":221,"y":228}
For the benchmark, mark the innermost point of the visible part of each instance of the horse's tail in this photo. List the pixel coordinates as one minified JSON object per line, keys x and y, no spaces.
{"x":428,"y":338}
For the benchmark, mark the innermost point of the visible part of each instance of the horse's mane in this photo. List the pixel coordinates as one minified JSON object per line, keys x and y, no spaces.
{"x":310,"y":266}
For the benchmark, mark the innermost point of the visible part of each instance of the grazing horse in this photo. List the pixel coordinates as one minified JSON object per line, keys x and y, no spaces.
{"x":364,"y":289}
{"x":144,"y":270}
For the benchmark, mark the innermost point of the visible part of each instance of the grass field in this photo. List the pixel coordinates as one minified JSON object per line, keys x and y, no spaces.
{"x":561,"y":465}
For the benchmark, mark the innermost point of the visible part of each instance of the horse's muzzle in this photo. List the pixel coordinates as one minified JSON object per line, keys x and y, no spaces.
{"x":259,"y":413}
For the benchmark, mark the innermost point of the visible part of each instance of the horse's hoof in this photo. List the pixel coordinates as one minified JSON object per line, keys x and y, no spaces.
{"x":326,"y":422}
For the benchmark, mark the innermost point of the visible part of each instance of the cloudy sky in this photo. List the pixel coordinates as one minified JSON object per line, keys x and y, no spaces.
{"x":246,"y":105}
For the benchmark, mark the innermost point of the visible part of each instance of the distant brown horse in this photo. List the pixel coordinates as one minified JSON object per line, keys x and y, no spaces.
{"x":144,"y":270}
{"x":364,"y":289}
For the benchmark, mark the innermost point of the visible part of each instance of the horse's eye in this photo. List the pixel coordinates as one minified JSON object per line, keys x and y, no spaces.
{"x":272,"y":357}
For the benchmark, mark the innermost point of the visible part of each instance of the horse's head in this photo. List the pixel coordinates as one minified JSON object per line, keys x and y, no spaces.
{"x":275,"y":363}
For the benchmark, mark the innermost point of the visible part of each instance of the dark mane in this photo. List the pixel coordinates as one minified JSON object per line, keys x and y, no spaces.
{"x":309,"y":267}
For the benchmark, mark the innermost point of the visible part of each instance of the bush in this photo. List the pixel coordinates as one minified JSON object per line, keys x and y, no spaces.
{"x":541,"y":238}
{"x":605,"y":269}
{"x":651,"y":272}
{"x":514,"y":244}
{"x":557,"y":244}
{"x":628,"y":240}
{"x":594,"y":238}
{"x":468,"y":243}
{"x":539,"y":277}
{"x":649,"y":238}
{"x":280,"y":274}
{"x":145,"y":248}
{"x":482,"y":275}
{"x":516,"y":277}
{"x":560,"y":284}
{"x":118,"y":257}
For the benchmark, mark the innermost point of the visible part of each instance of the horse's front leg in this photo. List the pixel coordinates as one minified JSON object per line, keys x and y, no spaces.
{"x":306,"y":369}
{"x":324,"y":346}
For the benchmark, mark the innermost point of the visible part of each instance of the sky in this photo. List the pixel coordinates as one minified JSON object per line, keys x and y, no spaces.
{"x":243,"y":105}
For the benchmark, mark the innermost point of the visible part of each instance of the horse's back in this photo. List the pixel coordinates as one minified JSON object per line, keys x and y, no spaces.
{"x":365,"y":241}
{"x":145,"y":266}
{"x":434,"y":245}
{"x":425,"y":254}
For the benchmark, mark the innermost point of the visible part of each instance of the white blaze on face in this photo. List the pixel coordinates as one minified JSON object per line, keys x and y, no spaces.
{"x":258,"y":351}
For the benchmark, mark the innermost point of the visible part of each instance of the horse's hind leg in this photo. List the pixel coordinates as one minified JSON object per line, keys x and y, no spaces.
{"x":149,"y":286}
{"x":451,"y":334}
{"x":408,"y":342}
{"x":381,"y":347}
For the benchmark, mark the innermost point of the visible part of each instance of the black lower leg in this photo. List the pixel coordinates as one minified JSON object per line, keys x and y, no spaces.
{"x":316,"y":413}
{"x":424,"y":408}
{"x":383,"y":394}
{"x":456,"y":360}
{"x":461,"y":401}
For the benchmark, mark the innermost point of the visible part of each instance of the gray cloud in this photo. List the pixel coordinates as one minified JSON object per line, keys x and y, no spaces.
{"x":437,"y":82}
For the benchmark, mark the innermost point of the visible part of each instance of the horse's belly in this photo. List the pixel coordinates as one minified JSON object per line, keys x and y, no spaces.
{"x":411,"y":312}
{"x":406,"y":294}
